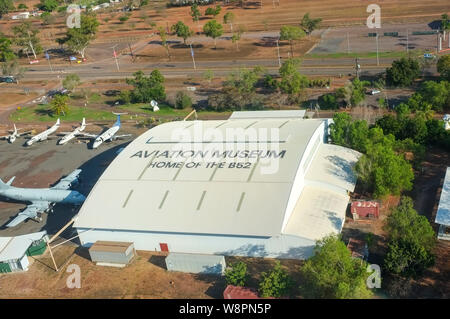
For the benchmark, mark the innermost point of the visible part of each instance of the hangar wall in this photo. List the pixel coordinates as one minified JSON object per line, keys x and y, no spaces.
{"x":281,"y":246}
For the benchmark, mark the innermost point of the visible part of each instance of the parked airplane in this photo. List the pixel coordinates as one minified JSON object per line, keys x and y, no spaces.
{"x":14,"y":135}
{"x":109,"y":134}
{"x":44,"y":135}
{"x":71,"y":135}
{"x":42,"y":199}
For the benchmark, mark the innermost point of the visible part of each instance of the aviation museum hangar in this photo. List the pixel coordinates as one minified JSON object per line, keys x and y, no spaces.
{"x":162,"y":194}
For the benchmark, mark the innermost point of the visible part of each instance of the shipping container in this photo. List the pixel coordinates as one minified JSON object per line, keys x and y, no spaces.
{"x":365,"y":209}
{"x":196,"y":263}
{"x":236,"y":292}
{"x":111,"y":252}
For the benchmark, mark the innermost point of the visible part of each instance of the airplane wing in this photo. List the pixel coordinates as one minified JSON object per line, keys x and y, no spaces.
{"x":87,"y":135}
{"x":121,"y":136}
{"x":30,"y":212}
{"x":68,"y":181}
{"x":25,"y":133}
{"x":4,"y":137}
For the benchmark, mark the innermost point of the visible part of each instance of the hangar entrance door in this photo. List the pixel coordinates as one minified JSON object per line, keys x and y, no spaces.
{"x":164,"y":247}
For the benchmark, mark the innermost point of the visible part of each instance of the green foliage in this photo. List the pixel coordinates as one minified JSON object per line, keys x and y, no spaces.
{"x":403,"y":72}
{"x":328,"y":102}
{"x":411,"y":241}
{"x":77,"y":39}
{"x":22,"y":6}
{"x":6,"y":6}
{"x":213,"y":11}
{"x":182,"y":30}
{"x":195,"y":12}
{"x":48,"y":5}
{"x":213,"y":29}
{"x":291,"y":33}
{"x":13,"y":68}
{"x":124,"y":18}
{"x":292,"y":82}
{"x":71,"y":81}
{"x":308,"y":24}
{"x":236,"y":275}
{"x":443,"y":67}
{"x":58,"y":105}
{"x":333,"y":273}
{"x":147,"y":88}
{"x":6,"y":52}
{"x":270,"y":83}
{"x":47,"y":18}
{"x":25,"y":36}
{"x":275,"y":283}
{"x":445,"y":22}
{"x":228,"y":17}
{"x":182,"y":100}
{"x":436,"y":94}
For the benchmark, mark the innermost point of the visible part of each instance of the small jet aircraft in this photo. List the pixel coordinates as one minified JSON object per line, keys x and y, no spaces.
{"x":14,"y":135}
{"x":71,"y":135}
{"x":42,"y":199}
{"x":43,"y":135}
{"x":108,"y":135}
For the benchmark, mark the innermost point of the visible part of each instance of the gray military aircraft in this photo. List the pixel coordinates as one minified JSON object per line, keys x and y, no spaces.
{"x":42,"y":199}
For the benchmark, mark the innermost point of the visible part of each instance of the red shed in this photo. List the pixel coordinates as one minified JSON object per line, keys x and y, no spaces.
{"x":365,"y":209}
{"x":236,"y":292}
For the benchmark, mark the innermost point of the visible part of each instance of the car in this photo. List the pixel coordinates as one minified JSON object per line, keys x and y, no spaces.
{"x":8,"y":79}
{"x":428,"y":56}
{"x":373,"y":92}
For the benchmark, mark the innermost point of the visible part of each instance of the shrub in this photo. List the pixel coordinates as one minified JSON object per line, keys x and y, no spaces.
{"x":182,"y":100}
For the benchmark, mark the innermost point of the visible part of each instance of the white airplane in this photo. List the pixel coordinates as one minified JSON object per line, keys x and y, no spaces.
{"x":44,"y":135}
{"x":71,"y":135}
{"x":42,"y":199}
{"x":14,"y":135}
{"x":109,"y":134}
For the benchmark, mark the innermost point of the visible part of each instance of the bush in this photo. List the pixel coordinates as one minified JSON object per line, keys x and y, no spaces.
{"x":328,"y":102}
{"x":275,"y":283}
{"x":403,"y":72}
{"x":236,"y":275}
{"x":182,"y":100}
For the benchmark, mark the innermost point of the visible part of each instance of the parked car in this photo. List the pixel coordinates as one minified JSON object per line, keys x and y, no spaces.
{"x":428,"y":56}
{"x":8,"y":79}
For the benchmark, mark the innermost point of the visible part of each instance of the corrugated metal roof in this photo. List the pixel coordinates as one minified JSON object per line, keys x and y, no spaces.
{"x":443,"y":212}
{"x":110,"y":246}
{"x":12,"y":248}
{"x":298,"y":114}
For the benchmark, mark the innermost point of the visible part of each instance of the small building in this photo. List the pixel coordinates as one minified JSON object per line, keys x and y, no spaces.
{"x":110,"y":253}
{"x":22,"y":15}
{"x":443,"y":212}
{"x":358,"y":248}
{"x":196,"y":263}
{"x":14,"y":251}
{"x":365,"y":209}
{"x":236,"y":292}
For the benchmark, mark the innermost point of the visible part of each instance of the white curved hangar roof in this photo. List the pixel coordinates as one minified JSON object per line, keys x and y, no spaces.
{"x":165,"y":182}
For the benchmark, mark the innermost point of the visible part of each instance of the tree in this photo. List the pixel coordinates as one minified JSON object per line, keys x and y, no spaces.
{"x":6,"y":6}
{"x":195,"y":13}
{"x":358,"y":94}
{"x":213,"y":29}
{"x":435,"y":94}
{"x":228,"y":18}
{"x":445,"y":22}
{"x":71,"y":81}
{"x":58,"y":105}
{"x":291,"y":33}
{"x":182,"y":30}
{"x":47,"y":18}
{"x":25,"y":36}
{"x":276,"y":283}
{"x":236,"y":37}
{"x":163,"y":35}
{"x":6,"y":52}
{"x":309,"y":25}
{"x":78,"y":39}
{"x":236,"y":274}
{"x":182,"y":100}
{"x":443,"y":67}
{"x":13,"y":68}
{"x":292,"y":82}
{"x":333,"y":273}
{"x":48,"y":5}
{"x":411,"y":241}
{"x":22,"y":6}
{"x":403,"y":72}
{"x":147,"y":88}
{"x":213,"y":11}
{"x":328,"y":102}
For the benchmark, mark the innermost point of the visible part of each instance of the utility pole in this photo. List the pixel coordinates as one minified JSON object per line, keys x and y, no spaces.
{"x":358,"y":67}
{"x":115,"y":56}
{"x":378,"y":60}
{"x":407,"y":41}
{"x":192,"y":54}
{"x":348,"y":43}
{"x":279,"y":58}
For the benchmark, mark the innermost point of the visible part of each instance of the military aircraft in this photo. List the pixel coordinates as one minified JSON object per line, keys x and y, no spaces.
{"x":43,"y":135}
{"x":71,"y":135}
{"x":14,"y":135}
{"x":42,"y":199}
{"x":109,"y":134}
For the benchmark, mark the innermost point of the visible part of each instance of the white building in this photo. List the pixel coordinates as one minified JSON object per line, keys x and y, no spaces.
{"x":260,"y":194}
{"x":443,"y":212}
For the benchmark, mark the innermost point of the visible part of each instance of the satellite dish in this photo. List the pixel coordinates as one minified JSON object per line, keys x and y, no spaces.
{"x":154,"y":104}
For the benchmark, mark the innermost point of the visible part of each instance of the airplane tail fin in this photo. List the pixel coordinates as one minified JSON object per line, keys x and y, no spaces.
{"x":83,"y":123}
{"x":118,"y":121}
{"x":15,"y":128}
{"x":58,"y":122}
{"x":7,"y":184}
